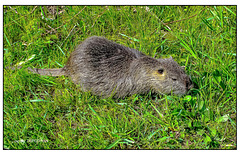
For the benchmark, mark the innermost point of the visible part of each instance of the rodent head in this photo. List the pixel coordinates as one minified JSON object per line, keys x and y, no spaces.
{"x":165,"y":76}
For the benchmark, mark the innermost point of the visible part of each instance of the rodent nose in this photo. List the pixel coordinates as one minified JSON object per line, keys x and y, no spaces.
{"x":189,"y":84}
{"x":174,"y":78}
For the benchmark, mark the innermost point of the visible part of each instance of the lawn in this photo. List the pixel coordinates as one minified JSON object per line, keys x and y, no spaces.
{"x":43,"y":112}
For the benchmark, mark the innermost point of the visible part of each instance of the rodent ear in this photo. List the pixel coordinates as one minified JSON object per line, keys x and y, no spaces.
{"x":183,"y":67}
{"x":170,"y":57}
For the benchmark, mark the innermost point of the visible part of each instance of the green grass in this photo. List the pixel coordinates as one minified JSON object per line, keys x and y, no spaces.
{"x":42,"y":112}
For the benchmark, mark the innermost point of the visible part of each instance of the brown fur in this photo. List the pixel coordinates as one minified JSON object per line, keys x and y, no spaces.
{"x":106,"y":68}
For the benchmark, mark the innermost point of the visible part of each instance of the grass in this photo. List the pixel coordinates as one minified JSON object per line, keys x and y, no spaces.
{"x":42,"y":112}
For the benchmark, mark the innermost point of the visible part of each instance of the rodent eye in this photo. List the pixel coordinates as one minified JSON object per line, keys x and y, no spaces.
{"x":160,"y":71}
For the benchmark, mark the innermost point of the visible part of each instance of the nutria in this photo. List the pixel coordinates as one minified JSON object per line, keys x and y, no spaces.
{"x":109,"y":69}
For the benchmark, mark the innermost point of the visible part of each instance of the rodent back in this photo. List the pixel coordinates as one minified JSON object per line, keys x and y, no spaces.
{"x":101,"y":65}
{"x":104,"y":55}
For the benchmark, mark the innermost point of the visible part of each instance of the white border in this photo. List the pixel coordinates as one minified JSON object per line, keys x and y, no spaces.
{"x":107,"y":2}
{"x":121,"y":2}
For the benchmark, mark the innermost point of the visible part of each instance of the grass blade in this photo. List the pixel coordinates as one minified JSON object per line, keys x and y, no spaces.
{"x":7,"y":40}
{"x":61,"y":50}
{"x":98,"y":117}
{"x":136,"y":40}
{"x":229,"y":10}
{"x":150,"y":136}
{"x":113,"y":144}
